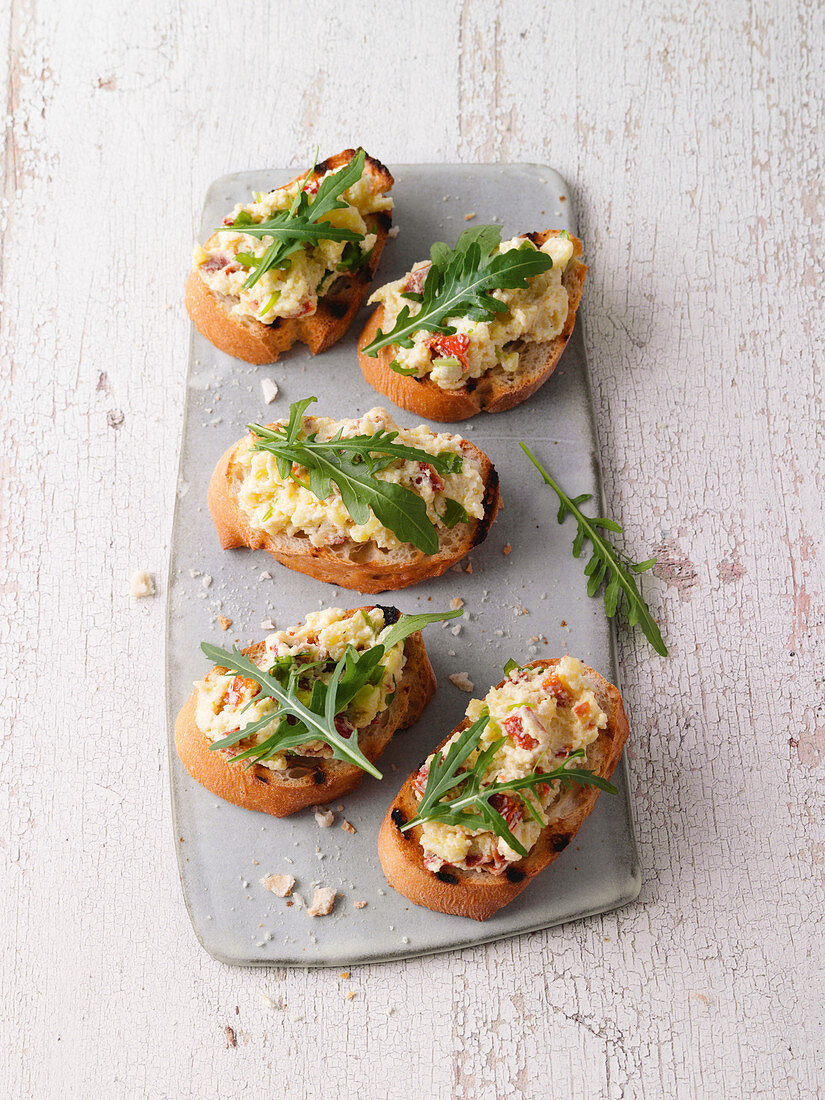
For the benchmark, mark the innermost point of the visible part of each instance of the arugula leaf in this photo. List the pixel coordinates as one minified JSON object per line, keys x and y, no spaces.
{"x":459,"y":284}
{"x":511,"y":666}
{"x":456,"y":795}
{"x":408,"y":624}
{"x":351,"y":464}
{"x":311,"y":726}
{"x":607,"y":565}
{"x":302,"y":225}
{"x":315,"y":721}
{"x":396,"y":366}
{"x":353,"y":258}
{"x":454,"y":513}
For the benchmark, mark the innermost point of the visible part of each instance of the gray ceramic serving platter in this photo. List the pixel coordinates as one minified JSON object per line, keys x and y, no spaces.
{"x":224,"y":850}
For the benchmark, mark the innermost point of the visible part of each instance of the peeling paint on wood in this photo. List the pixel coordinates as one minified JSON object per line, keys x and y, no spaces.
{"x":691,"y":137}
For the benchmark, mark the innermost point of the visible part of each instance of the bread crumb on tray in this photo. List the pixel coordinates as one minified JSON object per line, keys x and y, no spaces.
{"x":279,"y":885}
{"x":269,"y":390}
{"x":461,"y":681}
{"x":322,"y":902}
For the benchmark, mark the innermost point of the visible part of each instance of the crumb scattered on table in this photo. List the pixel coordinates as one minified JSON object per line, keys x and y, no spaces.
{"x":142,"y":584}
{"x":225,"y":623}
{"x":269,"y":390}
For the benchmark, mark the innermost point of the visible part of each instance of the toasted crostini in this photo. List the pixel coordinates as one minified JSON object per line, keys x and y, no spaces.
{"x":506,"y":792}
{"x":254,"y":294}
{"x":360,"y":503}
{"x":257,"y":733}
{"x":492,"y":357}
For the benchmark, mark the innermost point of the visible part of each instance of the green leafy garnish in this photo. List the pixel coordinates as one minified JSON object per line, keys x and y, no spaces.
{"x":302,"y":225}
{"x":459,"y":284}
{"x":353,"y":258}
{"x":607,"y":565}
{"x":454,"y":513}
{"x":305,"y":714}
{"x":455,"y":794}
{"x":511,"y":666}
{"x":396,"y":366}
{"x":273,"y":298}
{"x":408,"y":624}
{"x":351,"y":464}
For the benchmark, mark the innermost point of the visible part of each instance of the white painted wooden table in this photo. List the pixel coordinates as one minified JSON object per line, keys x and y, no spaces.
{"x":691,"y":136}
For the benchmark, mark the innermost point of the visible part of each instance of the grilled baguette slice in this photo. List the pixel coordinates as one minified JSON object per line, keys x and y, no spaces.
{"x":364,"y":567}
{"x":310,"y":780}
{"x":480,"y":894}
{"x":495,"y":391}
{"x":252,"y":340}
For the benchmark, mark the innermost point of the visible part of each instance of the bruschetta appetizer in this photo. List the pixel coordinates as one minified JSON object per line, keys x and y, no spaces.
{"x":506,"y":791}
{"x":294,"y":263}
{"x":360,"y":503}
{"x":300,"y":717}
{"x":475,"y":328}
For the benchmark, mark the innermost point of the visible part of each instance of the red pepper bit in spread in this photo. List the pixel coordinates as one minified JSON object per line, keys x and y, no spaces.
{"x":420,"y":781}
{"x":510,"y":808}
{"x":515,"y":729}
{"x":343,"y":725}
{"x":415,"y":280}
{"x":430,"y":474}
{"x":234,"y":693}
{"x":556,"y":688}
{"x":451,"y":347}
{"x":582,"y":710}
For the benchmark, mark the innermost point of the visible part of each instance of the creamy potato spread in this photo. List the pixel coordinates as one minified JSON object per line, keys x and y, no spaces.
{"x":544,"y":715}
{"x":537,"y":313}
{"x":221,"y":707}
{"x":283,"y":506}
{"x":293,"y":291}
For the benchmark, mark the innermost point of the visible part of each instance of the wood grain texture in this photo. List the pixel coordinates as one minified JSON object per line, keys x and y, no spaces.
{"x":691,"y":136}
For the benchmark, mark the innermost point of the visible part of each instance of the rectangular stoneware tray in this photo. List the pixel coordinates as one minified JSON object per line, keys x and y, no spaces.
{"x":536,"y":590}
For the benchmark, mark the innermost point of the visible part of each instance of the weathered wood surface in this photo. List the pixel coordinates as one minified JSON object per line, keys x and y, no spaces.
{"x":691,"y":135}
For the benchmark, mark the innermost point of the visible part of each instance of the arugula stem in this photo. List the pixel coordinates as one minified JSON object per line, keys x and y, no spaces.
{"x":609,"y":556}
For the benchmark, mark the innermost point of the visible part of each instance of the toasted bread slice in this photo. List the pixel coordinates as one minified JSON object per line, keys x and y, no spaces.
{"x":495,"y":391}
{"x":249,"y":339}
{"x":364,"y":567}
{"x":310,"y":780}
{"x":480,"y":894}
